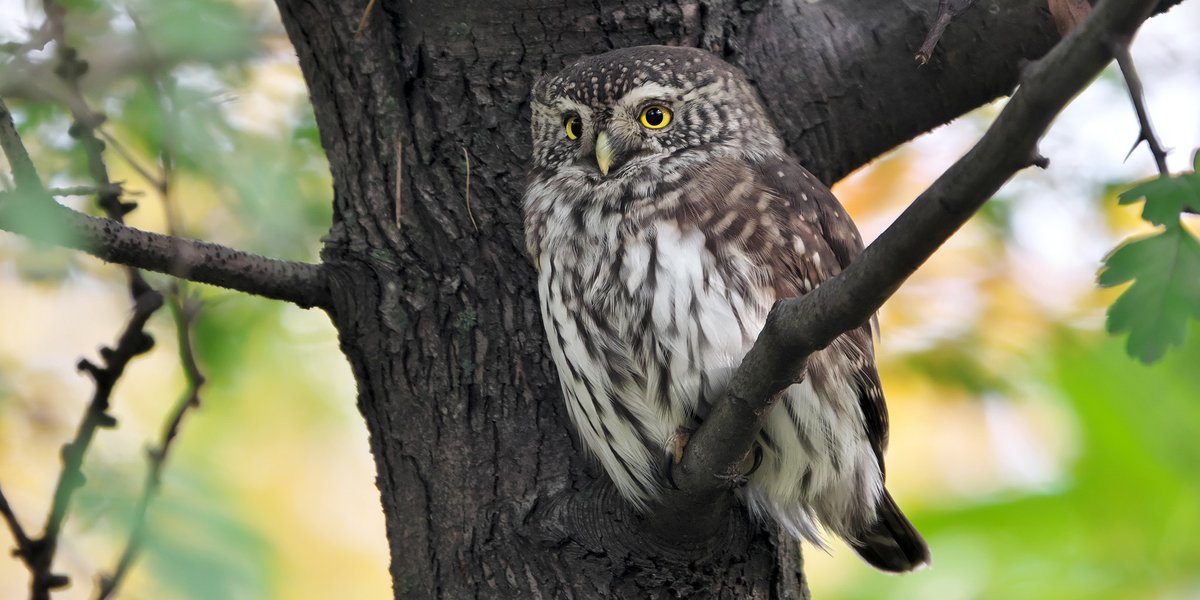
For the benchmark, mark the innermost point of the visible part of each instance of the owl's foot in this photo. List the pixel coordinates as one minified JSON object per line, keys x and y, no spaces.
{"x":677,"y":442}
{"x":756,"y":458}
{"x":675,"y":445}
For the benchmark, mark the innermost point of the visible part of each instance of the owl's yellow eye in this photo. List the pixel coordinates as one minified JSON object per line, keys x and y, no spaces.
{"x":573,"y":126}
{"x":655,"y":116}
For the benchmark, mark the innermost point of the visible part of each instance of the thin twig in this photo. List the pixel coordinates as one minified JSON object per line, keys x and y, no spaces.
{"x":467,"y":193}
{"x":1120,"y":50}
{"x":399,"y":182}
{"x":87,"y":190}
{"x":947,"y":10}
{"x":25,"y":174}
{"x":87,"y":122}
{"x":125,"y":154}
{"x":40,"y":553}
{"x":183,"y":310}
{"x":14,"y":525}
{"x":362,"y":22}
{"x":133,"y":342}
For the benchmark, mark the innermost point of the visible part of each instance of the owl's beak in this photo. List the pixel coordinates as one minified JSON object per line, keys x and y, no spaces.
{"x":604,"y":152}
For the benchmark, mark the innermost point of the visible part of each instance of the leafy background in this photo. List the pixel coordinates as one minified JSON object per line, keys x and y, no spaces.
{"x":1038,"y":458}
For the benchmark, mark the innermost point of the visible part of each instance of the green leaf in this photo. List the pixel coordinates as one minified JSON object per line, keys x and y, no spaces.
{"x":1166,"y":197}
{"x":1165,"y":270}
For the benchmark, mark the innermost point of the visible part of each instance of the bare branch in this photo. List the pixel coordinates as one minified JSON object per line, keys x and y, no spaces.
{"x":1120,"y":50}
{"x":362,"y":21}
{"x":301,"y":283}
{"x":947,"y":10}
{"x":24,"y":173}
{"x":798,"y":327}
{"x":183,"y":310}
{"x":304,"y":284}
{"x":70,"y":70}
{"x":145,"y":173}
{"x":14,"y":525}
{"x":86,"y":190}
{"x":38,"y":554}
{"x":133,"y":341}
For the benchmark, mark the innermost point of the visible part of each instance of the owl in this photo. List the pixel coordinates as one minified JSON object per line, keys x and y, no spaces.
{"x":664,"y":218}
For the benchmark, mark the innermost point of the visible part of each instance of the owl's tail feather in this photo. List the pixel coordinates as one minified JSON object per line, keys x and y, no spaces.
{"x":892,"y":544}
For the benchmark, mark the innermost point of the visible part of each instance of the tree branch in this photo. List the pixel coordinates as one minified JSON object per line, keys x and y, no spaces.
{"x":839,"y":81}
{"x":183,"y":311}
{"x":24,"y":172}
{"x":798,"y":327}
{"x":947,"y":10}
{"x":184,"y":314}
{"x":301,"y":283}
{"x":14,"y":525}
{"x":70,"y":70}
{"x":1120,"y":50}
{"x":133,"y":341}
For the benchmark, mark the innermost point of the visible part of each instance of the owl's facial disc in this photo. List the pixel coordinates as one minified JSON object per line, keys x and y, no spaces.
{"x":650,"y":103}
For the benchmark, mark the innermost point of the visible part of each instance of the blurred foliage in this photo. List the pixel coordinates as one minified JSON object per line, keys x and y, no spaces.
{"x":197,"y":543}
{"x":1123,"y":520}
{"x":269,"y":490}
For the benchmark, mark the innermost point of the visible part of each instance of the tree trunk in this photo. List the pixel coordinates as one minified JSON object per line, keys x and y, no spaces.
{"x":484,"y":489}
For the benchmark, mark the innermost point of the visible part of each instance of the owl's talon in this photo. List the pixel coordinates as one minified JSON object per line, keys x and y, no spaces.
{"x":677,"y":442}
{"x":669,"y":472}
{"x":741,"y":479}
{"x":675,"y":445}
{"x":758,"y":459}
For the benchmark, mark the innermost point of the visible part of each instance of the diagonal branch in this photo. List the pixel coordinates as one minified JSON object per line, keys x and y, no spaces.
{"x":1137,"y":95}
{"x":14,"y":525}
{"x":798,"y":327}
{"x":24,"y":172}
{"x":70,"y":70}
{"x":304,"y":284}
{"x":183,"y":311}
{"x":947,"y":10}
{"x":133,"y":342}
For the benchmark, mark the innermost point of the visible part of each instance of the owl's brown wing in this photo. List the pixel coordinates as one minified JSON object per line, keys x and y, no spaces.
{"x":811,"y":214}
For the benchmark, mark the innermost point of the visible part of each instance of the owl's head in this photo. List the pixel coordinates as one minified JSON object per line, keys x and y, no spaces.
{"x":617,"y":112}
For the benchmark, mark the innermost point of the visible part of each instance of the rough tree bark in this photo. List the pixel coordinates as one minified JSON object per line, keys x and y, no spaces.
{"x":483,"y":489}
{"x":485,"y":493}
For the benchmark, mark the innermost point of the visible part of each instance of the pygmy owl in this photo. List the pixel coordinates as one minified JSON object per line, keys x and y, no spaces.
{"x":665,"y":217}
